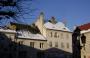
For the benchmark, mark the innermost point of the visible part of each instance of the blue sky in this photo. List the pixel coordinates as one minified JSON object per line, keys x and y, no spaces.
{"x":75,"y":12}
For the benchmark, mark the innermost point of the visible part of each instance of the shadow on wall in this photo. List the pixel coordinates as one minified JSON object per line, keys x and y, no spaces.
{"x":9,"y":49}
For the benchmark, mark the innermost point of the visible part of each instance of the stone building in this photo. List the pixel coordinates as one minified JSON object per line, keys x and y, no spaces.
{"x":51,"y":39}
{"x":85,"y":51}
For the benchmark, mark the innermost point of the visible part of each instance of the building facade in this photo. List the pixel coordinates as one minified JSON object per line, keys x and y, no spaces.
{"x":49,"y":39}
{"x":85,"y":51}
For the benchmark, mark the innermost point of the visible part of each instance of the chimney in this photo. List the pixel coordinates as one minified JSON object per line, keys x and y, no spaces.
{"x":53,"y":20}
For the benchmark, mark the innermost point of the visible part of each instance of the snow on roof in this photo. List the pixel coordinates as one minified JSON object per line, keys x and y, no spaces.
{"x":57,"y":26}
{"x":85,"y":31}
{"x":29,"y":35}
{"x":7,"y":30}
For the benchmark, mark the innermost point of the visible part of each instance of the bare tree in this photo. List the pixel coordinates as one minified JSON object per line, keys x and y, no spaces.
{"x":15,"y":10}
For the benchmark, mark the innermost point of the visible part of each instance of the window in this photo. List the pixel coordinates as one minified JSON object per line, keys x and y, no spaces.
{"x":32,"y":44}
{"x":56,"y":44}
{"x":58,"y":36}
{"x":67,"y":36}
{"x":20,"y":42}
{"x":61,"y":35}
{"x":67,"y":45}
{"x":62,"y":45}
{"x":41,"y":45}
{"x":85,"y":56}
{"x":50,"y":44}
{"x":55,"y":35}
{"x":51,"y":34}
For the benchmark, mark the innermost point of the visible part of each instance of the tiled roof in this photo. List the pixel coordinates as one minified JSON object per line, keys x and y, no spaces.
{"x":85,"y":26}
